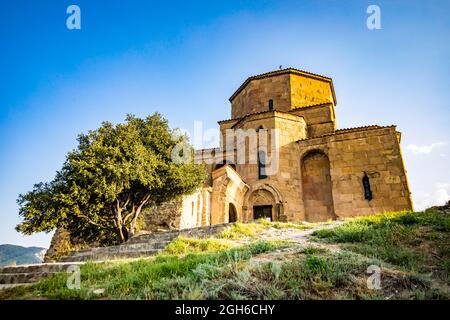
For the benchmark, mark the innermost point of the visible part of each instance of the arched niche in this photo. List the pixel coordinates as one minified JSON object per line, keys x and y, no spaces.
{"x":317,"y":187}
{"x":263,"y":201}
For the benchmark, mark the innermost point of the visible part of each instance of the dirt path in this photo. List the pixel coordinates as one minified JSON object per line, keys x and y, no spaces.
{"x":300,"y":239}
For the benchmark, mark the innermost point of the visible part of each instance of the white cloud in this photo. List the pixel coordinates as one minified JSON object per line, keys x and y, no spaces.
{"x":439,"y":196}
{"x":424,"y":149}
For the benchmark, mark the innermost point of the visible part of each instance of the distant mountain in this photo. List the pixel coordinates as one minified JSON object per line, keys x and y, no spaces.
{"x":11,"y":254}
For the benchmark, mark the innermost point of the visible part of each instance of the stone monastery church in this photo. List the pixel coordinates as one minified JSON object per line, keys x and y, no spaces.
{"x":321,"y":172}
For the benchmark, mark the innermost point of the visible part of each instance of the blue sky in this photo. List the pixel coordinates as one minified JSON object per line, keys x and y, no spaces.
{"x":185,"y":58}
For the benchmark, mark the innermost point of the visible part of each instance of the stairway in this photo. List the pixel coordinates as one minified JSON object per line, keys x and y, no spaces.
{"x":26,"y":274}
{"x":142,"y":245}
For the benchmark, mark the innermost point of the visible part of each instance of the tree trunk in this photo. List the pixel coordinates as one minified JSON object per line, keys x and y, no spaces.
{"x":133,"y":222}
{"x":125,"y":233}
{"x":119,"y":224}
{"x":120,"y":233}
{"x":136,"y":216}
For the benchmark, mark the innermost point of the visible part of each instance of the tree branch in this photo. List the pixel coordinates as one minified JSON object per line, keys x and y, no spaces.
{"x":89,"y":220}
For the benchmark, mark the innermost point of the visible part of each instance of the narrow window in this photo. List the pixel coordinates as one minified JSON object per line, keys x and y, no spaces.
{"x":270,"y":104}
{"x":262,"y":165}
{"x":366,"y":185}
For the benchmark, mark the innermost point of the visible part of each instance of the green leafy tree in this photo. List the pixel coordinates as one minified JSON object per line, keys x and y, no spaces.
{"x":115,"y":172}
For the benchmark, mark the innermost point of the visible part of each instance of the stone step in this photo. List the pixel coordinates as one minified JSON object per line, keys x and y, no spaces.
{"x":168,"y":235}
{"x":27,"y":274}
{"x":197,"y":232}
{"x":136,"y":246}
{"x":141,"y":245}
{"x":13,"y":285}
{"x":110,"y":256}
{"x":29,"y":277}
{"x":122,"y":250}
{"x":42,"y":267}
{"x":145,"y":244}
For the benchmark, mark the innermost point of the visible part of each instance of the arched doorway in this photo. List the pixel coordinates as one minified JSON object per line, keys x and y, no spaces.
{"x":263,"y":204}
{"x":232,"y":214}
{"x":317,"y":187}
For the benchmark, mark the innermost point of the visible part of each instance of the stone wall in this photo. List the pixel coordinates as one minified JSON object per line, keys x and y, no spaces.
{"x":375,"y":151}
{"x":62,"y":244}
{"x":372,"y":150}
{"x":287,"y":90}
{"x":307,"y":91}
{"x":164,"y":216}
{"x":290,"y":129}
{"x":317,"y":187}
{"x":320,"y":119}
{"x":282,"y":167}
{"x":189,"y":211}
{"x":256,"y":95}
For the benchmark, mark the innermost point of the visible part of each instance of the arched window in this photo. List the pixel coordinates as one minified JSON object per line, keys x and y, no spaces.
{"x":270,"y":104}
{"x":366,"y":185}
{"x":262,"y":165}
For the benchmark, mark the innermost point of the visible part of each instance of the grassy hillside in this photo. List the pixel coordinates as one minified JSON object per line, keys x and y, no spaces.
{"x":11,"y":254}
{"x":412,"y":250}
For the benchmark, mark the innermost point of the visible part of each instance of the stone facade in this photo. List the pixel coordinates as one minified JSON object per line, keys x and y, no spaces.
{"x":294,"y":88}
{"x":190,"y":211}
{"x":317,"y":172}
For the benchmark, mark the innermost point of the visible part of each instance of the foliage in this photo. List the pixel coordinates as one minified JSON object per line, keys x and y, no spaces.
{"x":250,"y":230}
{"x":240,"y":230}
{"x":313,"y":250}
{"x":190,"y":245}
{"x":284,"y":225}
{"x":114,"y":173}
